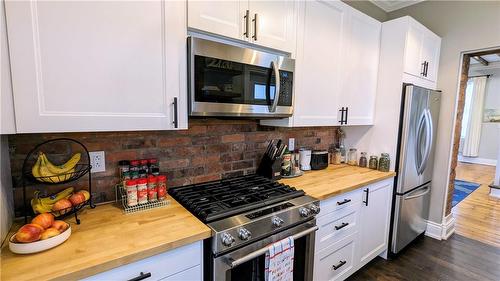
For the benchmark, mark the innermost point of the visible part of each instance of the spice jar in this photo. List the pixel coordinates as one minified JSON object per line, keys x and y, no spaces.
{"x":142,"y":191}
{"x":352,"y":157}
{"x":363,"y":162}
{"x":125,"y":177}
{"x":123,"y":167}
{"x":131,"y":193}
{"x":373,"y":164}
{"x":161,"y":187}
{"x":134,"y":166}
{"x":384,"y":163}
{"x":152,"y":189}
{"x":154,"y":169}
{"x":144,"y":166}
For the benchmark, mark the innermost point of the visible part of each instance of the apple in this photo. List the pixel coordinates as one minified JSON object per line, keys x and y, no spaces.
{"x":29,"y":233}
{"x":49,"y":232}
{"x":77,"y":198}
{"x":44,"y":220}
{"x":85,"y":193}
{"x":60,"y":225}
{"x":63,"y":206}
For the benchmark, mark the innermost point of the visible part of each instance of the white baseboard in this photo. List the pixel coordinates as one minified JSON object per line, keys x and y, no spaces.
{"x":476,"y":160}
{"x":441,"y":231}
{"x":495,"y":192}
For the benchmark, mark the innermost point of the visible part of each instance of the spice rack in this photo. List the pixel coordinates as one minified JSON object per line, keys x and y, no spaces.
{"x":121,"y":198}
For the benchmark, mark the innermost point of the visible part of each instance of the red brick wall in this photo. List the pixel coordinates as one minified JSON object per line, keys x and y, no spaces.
{"x":210,"y":149}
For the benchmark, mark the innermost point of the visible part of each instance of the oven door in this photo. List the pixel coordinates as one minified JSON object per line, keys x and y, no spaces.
{"x":232,"y":81}
{"x":248,"y":262}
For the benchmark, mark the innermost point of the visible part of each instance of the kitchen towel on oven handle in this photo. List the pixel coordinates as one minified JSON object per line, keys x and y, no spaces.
{"x":279,"y":260}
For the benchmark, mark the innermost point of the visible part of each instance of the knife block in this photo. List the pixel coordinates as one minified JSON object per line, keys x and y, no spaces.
{"x":270,"y":168}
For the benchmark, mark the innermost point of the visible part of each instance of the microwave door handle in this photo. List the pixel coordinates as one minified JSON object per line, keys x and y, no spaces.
{"x":234,"y":263}
{"x":276,"y":87}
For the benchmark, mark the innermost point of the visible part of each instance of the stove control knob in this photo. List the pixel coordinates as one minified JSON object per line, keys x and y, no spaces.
{"x":304,"y":212}
{"x":314,"y":209}
{"x":244,"y":234}
{"x":227,"y":239}
{"x":277,"y":221}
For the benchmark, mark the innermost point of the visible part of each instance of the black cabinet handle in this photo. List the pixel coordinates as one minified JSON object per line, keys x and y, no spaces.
{"x":346,"y":114}
{"x":342,"y":110}
{"x":339,"y":265}
{"x":247,"y":23}
{"x":176,"y":121}
{"x":141,"y":276}
{"x":423,"y":69}
{"x":344,"y":224}
{"x":343,"y":202}
{"x":426,"y":68}
{"x":367,"y":193}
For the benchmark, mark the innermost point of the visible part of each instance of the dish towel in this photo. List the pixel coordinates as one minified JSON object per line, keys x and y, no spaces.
{"x":279,"y":260}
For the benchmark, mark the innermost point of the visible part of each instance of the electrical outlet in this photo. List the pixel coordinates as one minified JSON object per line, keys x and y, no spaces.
{"x":291,"y":144}
{"x":98,"y":161}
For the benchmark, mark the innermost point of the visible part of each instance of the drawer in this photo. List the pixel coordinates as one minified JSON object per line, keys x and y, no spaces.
{"x":191,"y":274}
{"x":160,"y":266}
{"x":342,"y":201}
{"x":335,"y":226}
{"x":335,"y":263}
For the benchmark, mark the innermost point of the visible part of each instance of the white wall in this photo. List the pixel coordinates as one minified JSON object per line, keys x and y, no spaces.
{"x":463,"y":26}
{"x":6,"y":195}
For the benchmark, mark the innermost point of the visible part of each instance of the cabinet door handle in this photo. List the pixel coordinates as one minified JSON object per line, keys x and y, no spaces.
{"x":343,"y":202}
{"x":367,"y":193}
{"x":176,"y":121}
{"x":344,"y":224}
{"x":346,"y":114}
{"x":141,"y":276}
{"x":341,"y":121}
{"x":254,"y":27}
{"x":339,"y":265}
{"x":426,"y":68}
{"x":247,"y":23}
{"x":422,"y":72}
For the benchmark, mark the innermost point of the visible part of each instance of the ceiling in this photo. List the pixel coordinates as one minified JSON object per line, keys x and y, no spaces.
{"x":390,"y":5}
{"x":487,"y":59}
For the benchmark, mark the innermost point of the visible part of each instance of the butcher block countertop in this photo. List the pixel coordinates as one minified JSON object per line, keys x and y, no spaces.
{"x":335,"y":180}
{"x":105,"y":239}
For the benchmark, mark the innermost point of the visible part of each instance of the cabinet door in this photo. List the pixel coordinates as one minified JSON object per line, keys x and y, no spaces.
{"x":360,"y":68}
{"x":112,"y":65}
{"x":430,"y":53}
{"x":273,"y":24}
{"x":7,"y":120}
{"x":413,"y":57}
{"x":224,"y":18}
{"x":319,"y":53}
{"x":374,"y":220}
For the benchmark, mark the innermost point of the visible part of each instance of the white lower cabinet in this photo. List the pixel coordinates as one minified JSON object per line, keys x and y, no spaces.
{"x":184,"y":263}
{"x":353,"y":229}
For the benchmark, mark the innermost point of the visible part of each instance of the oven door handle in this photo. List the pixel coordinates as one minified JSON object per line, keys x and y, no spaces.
{"x":234,"y":263}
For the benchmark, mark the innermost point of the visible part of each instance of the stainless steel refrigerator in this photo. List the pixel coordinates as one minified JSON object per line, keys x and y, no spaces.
{"x":414,"y":164}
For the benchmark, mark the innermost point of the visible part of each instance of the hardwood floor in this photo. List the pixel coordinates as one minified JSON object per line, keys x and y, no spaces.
{"x":478,"y":215}
{"x":458,"y":258}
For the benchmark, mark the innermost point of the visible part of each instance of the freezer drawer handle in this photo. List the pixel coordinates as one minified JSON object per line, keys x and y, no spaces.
{"x":141,"y":276}
{"x":344,"y":224}
{"x":339,"y":265}
{"x":343,"y":202}
{"x":427,"y":190}
{"x":367,"y":193}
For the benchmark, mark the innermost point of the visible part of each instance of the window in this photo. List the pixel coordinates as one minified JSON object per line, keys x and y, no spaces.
{"x":468,"y":100}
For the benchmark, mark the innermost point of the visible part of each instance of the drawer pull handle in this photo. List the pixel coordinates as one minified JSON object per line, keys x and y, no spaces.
{"x":141,"y":276}
{"x":343,"y":202}
{"x":344,"y":224}
{"x":341,"y":263}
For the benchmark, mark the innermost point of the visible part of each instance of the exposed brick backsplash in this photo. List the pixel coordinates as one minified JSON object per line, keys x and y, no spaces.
{"x":209,"y":150}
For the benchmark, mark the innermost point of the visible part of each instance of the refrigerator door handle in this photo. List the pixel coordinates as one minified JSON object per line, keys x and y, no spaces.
{"x":428,"y":140}
{"x":420,"y":194}
{"x":418,"y":148}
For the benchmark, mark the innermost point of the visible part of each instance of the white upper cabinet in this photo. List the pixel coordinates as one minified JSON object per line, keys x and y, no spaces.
{"x":360,"y":69}
{"x":270,"y":24}
{"x":7,"y":118}
{"x":336,"y":66}
{"x":98,"y":65}
{"x":421,"y":51}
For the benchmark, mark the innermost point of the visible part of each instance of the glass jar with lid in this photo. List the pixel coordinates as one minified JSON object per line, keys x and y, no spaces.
{"x":384,"y":163}
{"x":363,"y":161}
{"x":352,"y":157}
{"x":373,"y":163}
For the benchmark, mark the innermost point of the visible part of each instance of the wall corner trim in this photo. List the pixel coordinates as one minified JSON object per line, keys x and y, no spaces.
{"x":441,"y":231}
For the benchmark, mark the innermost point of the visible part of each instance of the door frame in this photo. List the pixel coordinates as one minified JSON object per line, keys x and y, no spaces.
{"x":465,"y":58}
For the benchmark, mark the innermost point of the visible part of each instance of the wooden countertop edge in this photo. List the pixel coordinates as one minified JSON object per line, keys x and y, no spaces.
{"x":353,"y":187}
{"x":111,"y":264}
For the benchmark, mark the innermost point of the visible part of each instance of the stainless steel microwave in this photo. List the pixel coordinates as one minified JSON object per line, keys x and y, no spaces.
{"x":226,"y":80}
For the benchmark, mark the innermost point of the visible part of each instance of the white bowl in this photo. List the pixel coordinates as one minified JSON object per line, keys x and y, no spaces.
{"x":38,"y":246}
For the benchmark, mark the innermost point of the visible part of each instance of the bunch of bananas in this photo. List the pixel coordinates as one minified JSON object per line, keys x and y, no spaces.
{"x":45,"y":171}
{"x":44,"y":205}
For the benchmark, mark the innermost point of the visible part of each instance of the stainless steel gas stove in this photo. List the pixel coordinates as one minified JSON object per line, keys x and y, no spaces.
{"x":246,"y":214}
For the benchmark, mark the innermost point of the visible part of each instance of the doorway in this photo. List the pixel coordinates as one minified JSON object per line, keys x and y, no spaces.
{"x":475,"y":149}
